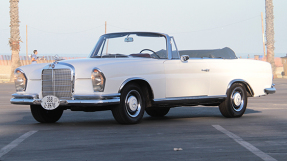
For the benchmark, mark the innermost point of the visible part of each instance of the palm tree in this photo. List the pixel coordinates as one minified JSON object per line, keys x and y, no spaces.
{"x":14,"y":40}
{"x":270,"y":34}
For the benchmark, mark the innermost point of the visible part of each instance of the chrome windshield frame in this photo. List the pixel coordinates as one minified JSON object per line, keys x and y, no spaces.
{"x":103,"y":37}
{"x":172,"y":39}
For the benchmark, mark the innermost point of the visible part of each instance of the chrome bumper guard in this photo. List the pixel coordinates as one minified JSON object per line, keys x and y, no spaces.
{"x":78,"y":100}
{"x":270,"y":90}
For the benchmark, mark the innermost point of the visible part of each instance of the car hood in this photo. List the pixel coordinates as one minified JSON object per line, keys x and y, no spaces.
{"x":84,"y":67}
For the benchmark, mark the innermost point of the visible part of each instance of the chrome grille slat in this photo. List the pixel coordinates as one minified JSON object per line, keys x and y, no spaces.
{"x":57,"y":91}
{"x":58,"y":73}
{"x":56,"y":85}
{"x":57,"y":82}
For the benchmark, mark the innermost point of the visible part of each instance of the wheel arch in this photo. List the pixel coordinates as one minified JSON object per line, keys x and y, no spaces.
{"x":144,"y":85}
{"x":249,"y":90}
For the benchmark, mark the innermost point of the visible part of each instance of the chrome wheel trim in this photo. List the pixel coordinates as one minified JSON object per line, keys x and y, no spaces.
{"x":133,"y":103}
{"x":237,"y":99}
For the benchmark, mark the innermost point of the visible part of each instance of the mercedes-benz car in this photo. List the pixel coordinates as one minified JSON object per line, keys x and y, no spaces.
{"x":133,"y":72}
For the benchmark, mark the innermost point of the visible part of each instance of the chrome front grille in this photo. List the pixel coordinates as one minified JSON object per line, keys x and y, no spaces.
{"x":57,"y":82}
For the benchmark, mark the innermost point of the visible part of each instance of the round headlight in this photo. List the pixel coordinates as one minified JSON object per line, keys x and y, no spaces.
{"x":20,"y":80}
{"x":98,"y":80}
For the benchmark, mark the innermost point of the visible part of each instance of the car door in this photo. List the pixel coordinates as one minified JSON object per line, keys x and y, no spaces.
{"x":187,"y":78}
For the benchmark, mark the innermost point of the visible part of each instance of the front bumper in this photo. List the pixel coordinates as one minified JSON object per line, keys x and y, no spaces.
{"x":270,"y":90}
{"x":78,"y":100}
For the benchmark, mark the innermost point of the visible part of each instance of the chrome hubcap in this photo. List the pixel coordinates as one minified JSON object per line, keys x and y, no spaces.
{"x":133,"y":103}
{"x":237,"y":99}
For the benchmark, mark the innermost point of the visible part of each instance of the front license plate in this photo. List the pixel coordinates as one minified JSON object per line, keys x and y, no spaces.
{"x":50,"y":102}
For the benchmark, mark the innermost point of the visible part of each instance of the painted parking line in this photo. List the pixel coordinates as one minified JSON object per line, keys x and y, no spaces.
{"x":15,"y":143}
{"x":245,"y":144}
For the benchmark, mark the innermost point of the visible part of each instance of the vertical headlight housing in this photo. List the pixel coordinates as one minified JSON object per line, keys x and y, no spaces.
{"x":98,"y":80}
{"x":20,"y":80}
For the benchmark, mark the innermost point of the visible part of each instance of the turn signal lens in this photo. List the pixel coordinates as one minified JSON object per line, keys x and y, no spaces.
{"x":98,"y":80}
{"x":20,"y":80}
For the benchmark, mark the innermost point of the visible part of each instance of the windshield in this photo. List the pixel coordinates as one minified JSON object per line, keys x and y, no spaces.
{"x":124,"y":45}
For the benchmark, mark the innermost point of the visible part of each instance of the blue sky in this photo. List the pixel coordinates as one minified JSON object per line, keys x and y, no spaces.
{"x":72,"y":27}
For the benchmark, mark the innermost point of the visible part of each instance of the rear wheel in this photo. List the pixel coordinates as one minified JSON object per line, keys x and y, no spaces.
{"x":45,"y":116}
{"x":236,"y":101}
{"x":132,"y":105}
{"x":157,"y":112}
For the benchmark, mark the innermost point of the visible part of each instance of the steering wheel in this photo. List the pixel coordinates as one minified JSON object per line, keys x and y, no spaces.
{"x":151,"y":51}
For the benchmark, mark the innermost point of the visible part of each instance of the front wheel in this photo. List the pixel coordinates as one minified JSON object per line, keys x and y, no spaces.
{"x":236,"y":101}
{"x":132,"y":105}
{"x":45,"y":116}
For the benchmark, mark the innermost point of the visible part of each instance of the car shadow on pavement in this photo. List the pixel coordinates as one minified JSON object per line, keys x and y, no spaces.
{"x":105,"y":118}
{"x":194,"y":112}
{"x":249,"y":111}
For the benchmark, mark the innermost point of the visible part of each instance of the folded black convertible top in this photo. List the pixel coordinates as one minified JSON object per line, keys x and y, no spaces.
{"x":225,"y":53}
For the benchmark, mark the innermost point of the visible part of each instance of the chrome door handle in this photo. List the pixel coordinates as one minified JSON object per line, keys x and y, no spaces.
{"x":205,"y":70}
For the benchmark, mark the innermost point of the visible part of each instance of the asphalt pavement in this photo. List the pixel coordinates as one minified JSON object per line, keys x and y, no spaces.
{"x":186,"y":133}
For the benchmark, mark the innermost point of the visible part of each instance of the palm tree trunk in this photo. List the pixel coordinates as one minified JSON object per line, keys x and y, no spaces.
{"x":14,"y":37}
{"x":270,"y":34}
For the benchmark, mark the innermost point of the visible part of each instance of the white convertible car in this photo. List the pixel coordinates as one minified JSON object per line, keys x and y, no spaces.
{"x":132,"y":72}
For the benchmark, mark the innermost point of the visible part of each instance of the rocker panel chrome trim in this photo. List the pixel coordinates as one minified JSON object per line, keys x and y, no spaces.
{"x":189,"y":98}
{"x":190,"y":101}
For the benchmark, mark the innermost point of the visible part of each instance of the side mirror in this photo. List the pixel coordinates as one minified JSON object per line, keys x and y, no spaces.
{"x":184,"y":58}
